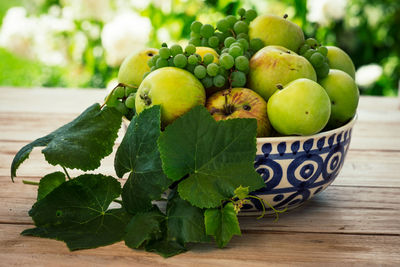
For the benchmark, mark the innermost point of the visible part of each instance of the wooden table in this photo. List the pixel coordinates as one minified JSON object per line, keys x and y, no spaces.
{"x":355,"y":221}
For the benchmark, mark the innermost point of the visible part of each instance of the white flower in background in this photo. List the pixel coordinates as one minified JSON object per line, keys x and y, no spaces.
{"x":125,"y":34}
{"x":90,"y":9}
{"x":324,"y":11}
{"x":17,"y":32}
{"x":367,"y":75}
{"x":140,"y":4}
{"x":163,"y":35}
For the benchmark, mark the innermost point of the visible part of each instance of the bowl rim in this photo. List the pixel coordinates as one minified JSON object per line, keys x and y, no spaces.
{"x":262,"y":140}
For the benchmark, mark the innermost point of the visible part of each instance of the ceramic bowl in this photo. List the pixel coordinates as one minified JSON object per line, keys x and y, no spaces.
{"x":296,"y":168}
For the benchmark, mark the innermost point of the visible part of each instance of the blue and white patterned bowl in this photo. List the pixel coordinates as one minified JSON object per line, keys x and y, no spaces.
{"x":296,"y":168}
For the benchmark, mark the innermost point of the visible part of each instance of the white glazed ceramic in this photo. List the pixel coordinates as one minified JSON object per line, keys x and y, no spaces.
{"x":296,"y":168}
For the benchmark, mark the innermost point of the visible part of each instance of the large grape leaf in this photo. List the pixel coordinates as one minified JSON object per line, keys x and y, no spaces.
{"x":80,"y":144}
{"x":185,"y":222}
{"x":217,"y":156}
{"x":222,"y":223}
{"x":138,"y":153}
{"x":77,"y":213}
{"x":49,"y":182}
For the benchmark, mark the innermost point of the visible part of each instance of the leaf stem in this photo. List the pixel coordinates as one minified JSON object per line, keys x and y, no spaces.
{"x":30,"y":182}
{"x":66,"y":173}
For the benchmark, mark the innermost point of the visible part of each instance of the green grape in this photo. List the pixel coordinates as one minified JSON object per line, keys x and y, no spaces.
{"x":223,"y":72}
{"x":190,"y":67}
{"x":176,"y":49}
{"x":317,"y":59}
{"x":153,"y":68}
{"x":228,"y":41}
{"x":225,"y":50}
{"x":227,"y":34}
{"x":242,"y":63}
{"x":238,"y":79}
{"x":241,"y":12}
{"x":164,"y":52}
{"x":180,"y":61}
{"x":231,"y":20}
{"x":171,"y":62}
{"x":121,"y":108}
{"x":161,"y":63}
{"x":251,"y":14}
{"x":304,"y":49}
{"x":199,"y":59}
{"x":190,"y":49}
{"x":220,"y":36}
{"x":150,"y":62}
{"x":226,"y":61}
{"x":235,"y":51}
{"x":192,"y":59}
{"x":195,"y":35}
{"x":145,"y":74}
{"x":256,"y":44}
{"x":119,"y":92}
{"x":212,"y":69}
{"x":208,"y":58}
{"x":223,"y":25}
{"x":217,"y":50}
{"x":309,"y":53}
{"x":195,"y":41}
{"x":323,"y":70}
{"x":207,"y":82}
{"x":154,"y":59}
{"x":130,"y":102}
{"x":312,"y":42}
{"x":242,"y":36}
{"x":213,"y":41}
{"x":219,"y":81}
{"x":207,"y":30}
{"x":129,"y":90}
{"x":200,"y":71}
{"x":164,"y":45}
{"x":196,"y":26}
{"x":323,"y":50}
{"x":241,"y":27}
{"x":204,"y":42}
{"x":244,"y":43}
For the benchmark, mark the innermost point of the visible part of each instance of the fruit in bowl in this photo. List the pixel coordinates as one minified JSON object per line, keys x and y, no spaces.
{"x":248,"y":115}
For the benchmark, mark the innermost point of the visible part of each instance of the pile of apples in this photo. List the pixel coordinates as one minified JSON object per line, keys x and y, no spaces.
{"x":284,"y":92}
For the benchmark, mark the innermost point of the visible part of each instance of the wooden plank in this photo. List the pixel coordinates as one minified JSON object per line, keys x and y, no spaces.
{"x":361,"y":168}
{"x":339,"y":209}
{"x":251,"y":249}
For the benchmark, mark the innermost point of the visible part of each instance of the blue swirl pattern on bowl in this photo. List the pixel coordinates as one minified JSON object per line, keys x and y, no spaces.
{"x":296,"y":169}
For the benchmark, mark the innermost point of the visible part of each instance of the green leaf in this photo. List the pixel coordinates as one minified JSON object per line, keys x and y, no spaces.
{"x":144,"y":227}
{"x":139,"y":154}
{"x":242,"y":192}
{"x":49,"y":182}
{"x":80,"y":144}
{"x":218,"y":156}
{"x":185,"y":222}
{"x":165,"y":248}
{"x":77,"y":213}
{"x":222,"y":223}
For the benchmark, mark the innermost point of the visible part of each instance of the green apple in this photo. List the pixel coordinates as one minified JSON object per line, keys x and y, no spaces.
{"x":175,"y":90}
{"x":301,"y":108}
{"x":338,"y":59}
{"x":240,"y":103}
{"x":343,"y":92}
{"x":274,"y":30}
{"x":277,"y":65}
{"x":134,"y":67}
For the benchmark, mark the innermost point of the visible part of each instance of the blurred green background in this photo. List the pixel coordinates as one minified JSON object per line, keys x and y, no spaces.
{"x":81,"y":43}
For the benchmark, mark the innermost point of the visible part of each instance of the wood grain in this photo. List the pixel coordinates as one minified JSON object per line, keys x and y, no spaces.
{"x":356,"y":221}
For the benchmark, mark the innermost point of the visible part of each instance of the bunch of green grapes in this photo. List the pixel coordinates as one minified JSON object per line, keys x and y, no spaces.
{"x":123,"y":99}
{"x":316,"y":54}
{"x":230,"y":39}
